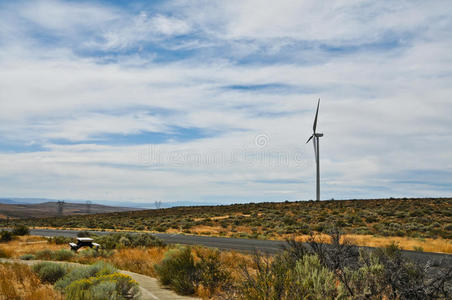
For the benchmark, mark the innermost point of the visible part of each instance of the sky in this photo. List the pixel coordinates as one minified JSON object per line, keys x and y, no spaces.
{"x":213,"y":101}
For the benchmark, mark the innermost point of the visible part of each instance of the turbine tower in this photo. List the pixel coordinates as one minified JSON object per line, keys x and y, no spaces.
{"x":315,"y":142}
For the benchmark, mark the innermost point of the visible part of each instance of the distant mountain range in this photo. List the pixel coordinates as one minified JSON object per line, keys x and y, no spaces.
{"x":147,"y":205}
{"x":14,"y":209}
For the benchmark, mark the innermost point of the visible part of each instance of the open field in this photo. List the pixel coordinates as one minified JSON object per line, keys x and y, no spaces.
{"x":17,"y":281}
{"x":415,"y":224}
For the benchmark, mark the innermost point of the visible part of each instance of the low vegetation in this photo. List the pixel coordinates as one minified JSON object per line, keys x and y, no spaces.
{"x":415,"y":222}
{"x":337,"y":271}
{"x":18,"y":230}
{"x":98,"y":281}
{"x":316,"y":271}
{"x":18,"y":281}
{"x":182,"y":273}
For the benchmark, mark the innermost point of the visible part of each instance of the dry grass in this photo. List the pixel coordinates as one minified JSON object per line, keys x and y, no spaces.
{"x":428,"y":245}
{"x":138,"y":260}
{"x":230,"y":261}
{"x":438,"y":245}
{"x":17,"y":281}
{"x":28,"y":244}
{"x":406,"y":243}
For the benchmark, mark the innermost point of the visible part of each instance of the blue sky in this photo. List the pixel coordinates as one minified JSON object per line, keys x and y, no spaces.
{"x":213,"y":100}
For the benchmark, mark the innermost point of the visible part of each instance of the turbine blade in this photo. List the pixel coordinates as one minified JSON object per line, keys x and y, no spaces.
{"x":316,"y":114}
{"x":310,"y":138}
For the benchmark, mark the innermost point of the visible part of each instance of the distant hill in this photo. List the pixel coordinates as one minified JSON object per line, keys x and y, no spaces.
{"x":50,"y":209}
{"x":130,"y":204}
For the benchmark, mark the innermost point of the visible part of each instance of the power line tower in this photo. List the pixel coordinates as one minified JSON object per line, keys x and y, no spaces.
{"x":88,"y":206}
{"x":158,"y":204}
{"x":60,"y":205}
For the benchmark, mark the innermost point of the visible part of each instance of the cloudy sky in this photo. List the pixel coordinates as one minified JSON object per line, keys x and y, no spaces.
{"x":213,"y":101}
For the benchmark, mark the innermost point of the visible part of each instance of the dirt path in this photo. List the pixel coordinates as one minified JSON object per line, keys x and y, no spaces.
{"x":150,"y":288}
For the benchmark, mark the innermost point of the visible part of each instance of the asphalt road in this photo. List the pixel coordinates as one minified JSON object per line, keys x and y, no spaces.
{"x":246,"y":245}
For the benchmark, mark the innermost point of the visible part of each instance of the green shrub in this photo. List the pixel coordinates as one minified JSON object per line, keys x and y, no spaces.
{"x":90,"y":252}
{"x":120,"y":240}
{"x":178,"y":271}
{"x":5,"y":236}
{"x":267,"y":281}
{"x":21,"y":230}
{"x":49,"y":272}
{"x":112,"y":286}
{"x":27,"y":257}
{"x":84,"y":234}
{"x":62,"y":254}
{"x":210,"y":272}
{"x":45,"y":254}
{"x":418,"y":249}
{"x":367,"y":282}
{"x":102,"y":290}
{"x":311,"y":280}
{"x":98,"y":269}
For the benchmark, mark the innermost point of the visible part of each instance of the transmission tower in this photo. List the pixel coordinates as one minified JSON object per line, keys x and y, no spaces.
{"x":158,"y":204}
{"x":60,"y":205}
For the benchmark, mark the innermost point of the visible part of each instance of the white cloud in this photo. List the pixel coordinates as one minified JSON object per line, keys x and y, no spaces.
{"x":385,"y":111}
{"x":141,"y":28}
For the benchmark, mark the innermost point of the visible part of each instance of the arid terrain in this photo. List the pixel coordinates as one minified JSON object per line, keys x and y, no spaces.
{"x":414,"y":224}
{"x":50,"y":209}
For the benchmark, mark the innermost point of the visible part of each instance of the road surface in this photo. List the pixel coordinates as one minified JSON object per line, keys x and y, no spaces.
{"x":244,"y":245}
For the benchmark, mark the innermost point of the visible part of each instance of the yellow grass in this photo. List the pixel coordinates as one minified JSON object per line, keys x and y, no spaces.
{"x":229,"y":260}
{"x":428,"y":245}
{"x":212,"y":218}
{"x":138,"y":260}
{"x":28,"y":244}
{"x":17,"y":281}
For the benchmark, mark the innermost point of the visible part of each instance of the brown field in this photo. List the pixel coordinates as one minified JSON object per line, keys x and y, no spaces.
{"x":27,"y":244}
{"x":17,"y":281}
{"x":51,"y":209}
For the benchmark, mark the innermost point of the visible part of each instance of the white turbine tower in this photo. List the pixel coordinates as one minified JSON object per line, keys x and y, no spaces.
{"x":315,"y":142}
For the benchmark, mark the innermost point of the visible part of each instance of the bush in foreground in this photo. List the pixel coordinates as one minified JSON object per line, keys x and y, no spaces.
{"x":114,"y":286}
{"x":50,"y":272}
{"x":339,"y":271}
{"x":98,"y":281}
{"x":17,"y":281}
{"x":177,"y":270}
{"x":62,"y":254}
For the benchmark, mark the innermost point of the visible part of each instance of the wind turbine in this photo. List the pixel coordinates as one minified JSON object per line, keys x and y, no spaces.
{"x":315,"y":142}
